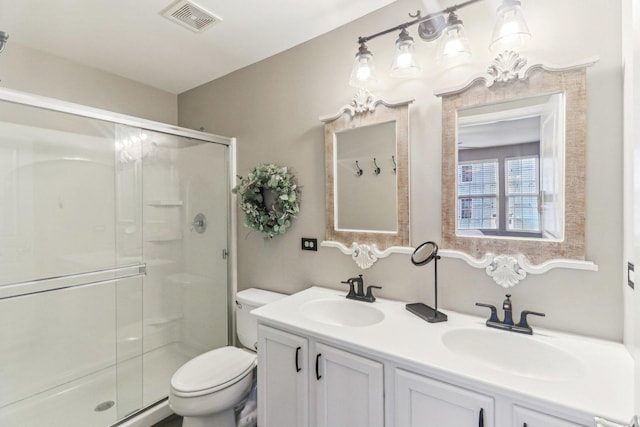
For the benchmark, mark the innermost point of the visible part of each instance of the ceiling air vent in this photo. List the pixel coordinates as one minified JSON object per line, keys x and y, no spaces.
{"x":191,"y":16}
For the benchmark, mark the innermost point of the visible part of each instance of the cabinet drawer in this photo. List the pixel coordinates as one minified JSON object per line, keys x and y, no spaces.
{"x":524,"y":417}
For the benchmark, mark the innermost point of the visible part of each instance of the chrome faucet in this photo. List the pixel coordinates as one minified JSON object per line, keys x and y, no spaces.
{"x":358,"y":293}
{"x":507,"y":324}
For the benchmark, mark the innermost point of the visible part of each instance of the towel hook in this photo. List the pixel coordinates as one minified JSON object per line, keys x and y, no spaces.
{"x":395,"y":167}
{"x":358,"y":170}
{"x":376,"y":171}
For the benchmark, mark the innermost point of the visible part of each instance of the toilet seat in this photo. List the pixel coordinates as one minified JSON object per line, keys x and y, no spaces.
{"x":212,"y":371}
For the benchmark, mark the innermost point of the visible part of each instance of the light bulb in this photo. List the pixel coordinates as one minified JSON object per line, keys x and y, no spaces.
{"x":453,"y":46}
{"x":363,"y":73}
{"x":404,"y":63}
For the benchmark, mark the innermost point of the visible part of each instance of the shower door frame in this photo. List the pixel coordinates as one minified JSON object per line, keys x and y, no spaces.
{"x":38,"y":101}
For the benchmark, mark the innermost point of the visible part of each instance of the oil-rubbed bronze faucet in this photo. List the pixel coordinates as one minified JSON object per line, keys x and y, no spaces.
{"x":507,"y":324}
{"x":358,"y":293}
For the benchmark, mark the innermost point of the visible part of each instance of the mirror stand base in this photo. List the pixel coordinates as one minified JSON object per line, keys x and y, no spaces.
{"x":427,"y":313}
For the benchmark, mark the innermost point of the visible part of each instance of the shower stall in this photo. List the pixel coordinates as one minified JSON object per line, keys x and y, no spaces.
{"x":115,"y":236}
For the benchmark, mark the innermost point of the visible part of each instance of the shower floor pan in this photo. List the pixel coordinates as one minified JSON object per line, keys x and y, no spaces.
{"x":91,"y":400}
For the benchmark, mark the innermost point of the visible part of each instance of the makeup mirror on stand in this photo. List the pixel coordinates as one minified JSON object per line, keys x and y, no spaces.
{"x":423,"y":255}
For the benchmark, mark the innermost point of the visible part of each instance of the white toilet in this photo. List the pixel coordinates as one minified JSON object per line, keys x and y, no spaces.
{"x":206,"y":389}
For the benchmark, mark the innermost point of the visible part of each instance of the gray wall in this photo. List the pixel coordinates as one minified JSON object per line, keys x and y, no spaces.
{"x":40,"y":73}
{"x":273,"y":107}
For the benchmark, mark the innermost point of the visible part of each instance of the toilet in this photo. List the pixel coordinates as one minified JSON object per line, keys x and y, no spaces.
{"x":206,"y":389}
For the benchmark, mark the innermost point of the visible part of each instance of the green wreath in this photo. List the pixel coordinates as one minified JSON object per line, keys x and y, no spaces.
{"x":274,"y":219}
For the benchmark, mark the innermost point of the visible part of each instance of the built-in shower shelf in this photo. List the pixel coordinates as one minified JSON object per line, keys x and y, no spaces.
{"x":159,"y":261}
{"x":164,"y":239}
{"x":165,"y":203}
{"x":187,"y":279}
{"x":159,"y":322}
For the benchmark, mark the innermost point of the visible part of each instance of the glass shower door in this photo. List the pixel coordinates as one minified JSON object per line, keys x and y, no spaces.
{"x":185,"y":234}
{"x":86,"y":207}
{"x":61,"y":268}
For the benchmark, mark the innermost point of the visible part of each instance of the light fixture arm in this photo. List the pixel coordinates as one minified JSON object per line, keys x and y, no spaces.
{"x":418,"y":19}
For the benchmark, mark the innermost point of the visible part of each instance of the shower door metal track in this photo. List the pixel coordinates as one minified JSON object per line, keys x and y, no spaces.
{"x":95,"y":113}
{"x":71,"y":281}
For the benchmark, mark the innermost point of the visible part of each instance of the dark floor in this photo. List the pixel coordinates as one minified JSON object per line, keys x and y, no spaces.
{"x":172,"y":421}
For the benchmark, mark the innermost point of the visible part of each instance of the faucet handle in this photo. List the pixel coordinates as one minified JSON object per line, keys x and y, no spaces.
{"x":369,"y":295}
{"x":494,"y":311}
{"x":352,"y":292}
{"x":523,"y":318}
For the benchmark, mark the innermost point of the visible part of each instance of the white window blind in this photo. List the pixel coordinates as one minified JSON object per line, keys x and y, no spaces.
{"x":478,"y":195}
{"x":522,"y":194}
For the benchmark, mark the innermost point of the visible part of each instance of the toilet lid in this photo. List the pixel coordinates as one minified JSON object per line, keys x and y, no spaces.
{"x":213,"y":370}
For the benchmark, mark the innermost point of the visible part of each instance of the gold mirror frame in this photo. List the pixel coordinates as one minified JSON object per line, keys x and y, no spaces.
{"x":508,"y":260}
{"x":366,"y":247}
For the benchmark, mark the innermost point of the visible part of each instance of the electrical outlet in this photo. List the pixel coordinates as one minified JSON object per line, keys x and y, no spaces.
{"x":309,"y":244}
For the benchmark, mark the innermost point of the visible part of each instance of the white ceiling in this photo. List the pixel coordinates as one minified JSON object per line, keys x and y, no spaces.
{"x":132,"y":39}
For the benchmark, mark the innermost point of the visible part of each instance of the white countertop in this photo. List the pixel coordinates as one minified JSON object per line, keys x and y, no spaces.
{"x":603,"y":388}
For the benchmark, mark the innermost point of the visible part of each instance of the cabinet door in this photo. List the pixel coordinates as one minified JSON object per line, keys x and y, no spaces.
{"x":283,"y":379}
{"x":424,"y":402}
{"x":348,"y":389}
{"x":523,"y":417}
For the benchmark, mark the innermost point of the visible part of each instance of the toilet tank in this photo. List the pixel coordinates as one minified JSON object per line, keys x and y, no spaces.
{"x":246,"y":323}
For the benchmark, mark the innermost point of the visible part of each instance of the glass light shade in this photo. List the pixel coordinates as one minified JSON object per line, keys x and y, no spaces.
{"x":363,"y":73}
{"x":404,"y":59}
{"x":511,"y":30}
{"x":453,"y":46}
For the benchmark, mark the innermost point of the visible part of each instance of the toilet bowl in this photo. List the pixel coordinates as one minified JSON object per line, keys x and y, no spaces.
{"x":206,"y":389}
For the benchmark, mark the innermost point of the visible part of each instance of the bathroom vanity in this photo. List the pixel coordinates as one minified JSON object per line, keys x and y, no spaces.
{"x":325,"y":361}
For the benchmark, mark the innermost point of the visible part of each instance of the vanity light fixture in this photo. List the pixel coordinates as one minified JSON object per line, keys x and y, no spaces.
{"x":509,"y":32}
{"x":453,"y":46}
{"x":3,"y":40}
{"x":404,"y":59}
{"x":364,"y":70}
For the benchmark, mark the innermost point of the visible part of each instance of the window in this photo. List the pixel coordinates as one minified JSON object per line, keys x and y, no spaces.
{"x":500,"y":196}
{"x":522,"y":194}
{"x":478,"y":195}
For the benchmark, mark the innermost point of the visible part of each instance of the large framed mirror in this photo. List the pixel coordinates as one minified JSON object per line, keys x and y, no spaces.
{"x":513,"y":168}
{"x":367,"y":178}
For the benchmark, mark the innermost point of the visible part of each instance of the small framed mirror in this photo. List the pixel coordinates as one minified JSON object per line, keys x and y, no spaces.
{"x":367,"y":176}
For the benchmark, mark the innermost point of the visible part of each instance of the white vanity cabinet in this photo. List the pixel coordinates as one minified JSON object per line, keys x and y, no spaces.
{"x":425,"y":402}
{"x":326,"y":361}
{"x":283,"y":379}
{"x":297,"y":373}
{"x":524,"y":417}
{"x":348,"y":389}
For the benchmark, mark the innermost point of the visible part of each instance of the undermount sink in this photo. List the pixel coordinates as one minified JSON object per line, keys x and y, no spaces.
{"x":515,"y":354}
{"x":342,"y":312}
